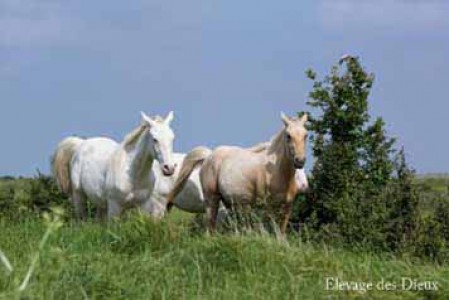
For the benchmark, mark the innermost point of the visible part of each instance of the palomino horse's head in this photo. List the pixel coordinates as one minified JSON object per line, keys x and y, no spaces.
{"x":160,"y":141}
{"x":295,"y":134}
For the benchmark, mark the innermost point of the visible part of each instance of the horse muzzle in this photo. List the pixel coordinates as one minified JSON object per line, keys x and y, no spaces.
{"x":299,"y":163}
{"x":168,"y":170}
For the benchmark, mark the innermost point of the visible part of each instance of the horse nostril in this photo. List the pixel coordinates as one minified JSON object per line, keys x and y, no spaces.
{"x":167,"y":170}
{"x":299,"y":163}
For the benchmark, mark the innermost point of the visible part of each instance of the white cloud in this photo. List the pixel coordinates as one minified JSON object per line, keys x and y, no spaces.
{"x":392,"y":14}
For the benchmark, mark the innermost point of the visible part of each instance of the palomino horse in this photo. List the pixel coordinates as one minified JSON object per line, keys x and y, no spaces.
{"x":114,"y":176}
{"x":241,"y":177}
{"x":189,"y":196}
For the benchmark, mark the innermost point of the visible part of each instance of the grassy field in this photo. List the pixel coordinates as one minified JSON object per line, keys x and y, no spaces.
{"x":138,"y":258}
{"x":434,"y":182}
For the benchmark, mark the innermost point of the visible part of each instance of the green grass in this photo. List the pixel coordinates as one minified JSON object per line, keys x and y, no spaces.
{"x":138,"y":258}
{"x":434,"y":183}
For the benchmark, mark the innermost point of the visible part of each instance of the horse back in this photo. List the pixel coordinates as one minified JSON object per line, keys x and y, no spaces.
{"x":233,"y":173}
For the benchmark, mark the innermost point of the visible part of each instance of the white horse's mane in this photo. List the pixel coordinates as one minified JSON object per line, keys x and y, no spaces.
{"x":131,"y":138}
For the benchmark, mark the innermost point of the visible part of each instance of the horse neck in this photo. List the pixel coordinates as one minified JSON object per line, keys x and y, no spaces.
{"x":140,"y":159}
{"x":283,"y":163}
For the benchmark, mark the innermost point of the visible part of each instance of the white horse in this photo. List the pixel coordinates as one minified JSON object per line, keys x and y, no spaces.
{"x":114,"y":176}
{"x":190,"y":199}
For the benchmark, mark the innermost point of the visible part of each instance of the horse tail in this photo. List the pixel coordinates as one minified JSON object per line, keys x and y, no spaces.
{"x":196,"y":157}
{"x":61,"y":160}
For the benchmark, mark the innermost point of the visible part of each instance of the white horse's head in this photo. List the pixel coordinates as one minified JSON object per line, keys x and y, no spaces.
{"x":160,"y":141}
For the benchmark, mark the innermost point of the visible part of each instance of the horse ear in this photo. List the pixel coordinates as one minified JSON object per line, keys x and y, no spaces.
{"x":169,"y":118}
{"x":146,"y":119}
{"x":304,"y":118}
{"x":285,"y":119}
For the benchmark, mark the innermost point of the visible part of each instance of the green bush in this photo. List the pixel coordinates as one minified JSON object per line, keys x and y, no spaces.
{"x":23,"y":197}
{"x":44,"y":194}
{"x":362,"y":190}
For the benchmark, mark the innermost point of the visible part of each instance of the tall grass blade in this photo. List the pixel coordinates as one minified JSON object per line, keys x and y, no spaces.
{"x":6,"y":262}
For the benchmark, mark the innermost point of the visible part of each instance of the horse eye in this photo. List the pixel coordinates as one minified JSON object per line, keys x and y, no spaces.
{"x":155,"y":141}
{"x":289,"y":137}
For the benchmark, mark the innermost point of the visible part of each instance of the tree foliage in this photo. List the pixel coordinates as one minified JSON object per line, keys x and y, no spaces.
{"x":361,"y":188}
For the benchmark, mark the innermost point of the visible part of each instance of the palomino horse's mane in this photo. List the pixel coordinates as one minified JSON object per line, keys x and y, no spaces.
{"x":271,"y":145}
{"x":276,"y":142}
{"x":259,"y":147}
{"x":131,"y":138}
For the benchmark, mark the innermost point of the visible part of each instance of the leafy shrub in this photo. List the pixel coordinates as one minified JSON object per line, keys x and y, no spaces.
{"x":7,"y":204}
{"x":45,"y":194}
{"x":30,"y":196}
{"x":362,"y":190}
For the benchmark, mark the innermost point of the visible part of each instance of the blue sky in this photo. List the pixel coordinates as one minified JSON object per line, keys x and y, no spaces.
{"x":227,"y":68}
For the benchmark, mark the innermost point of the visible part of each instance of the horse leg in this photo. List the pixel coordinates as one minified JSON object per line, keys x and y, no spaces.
{"x":114,"y":209}
{"x":102,"y":210}
{"x":212,"y":206}
{"x":225,"y":213}
{"x":286,"y":216}
{"x":79,"y":202}
{"x":154,"y":208}
{"x":232,"y":214}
